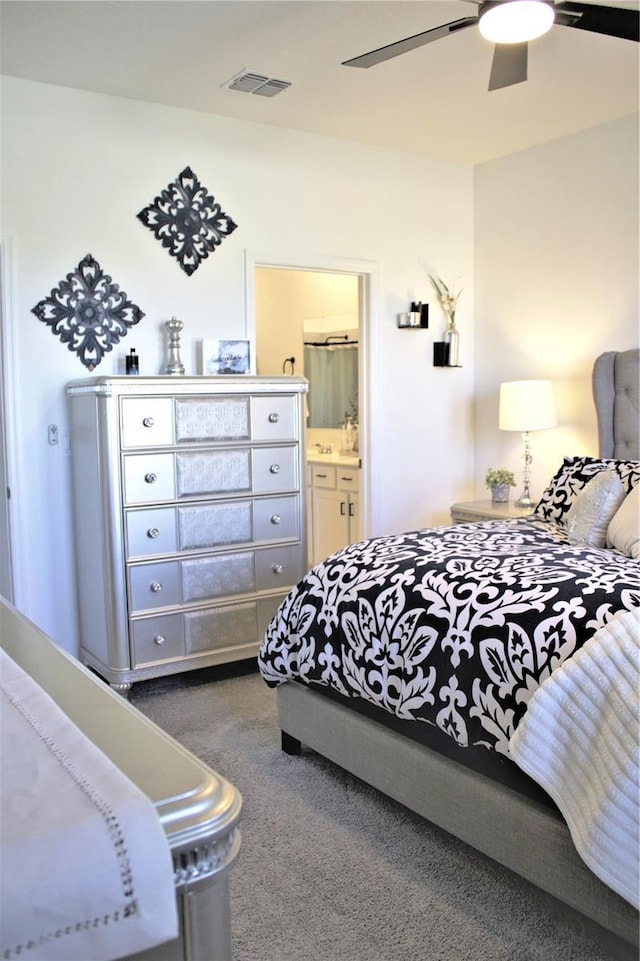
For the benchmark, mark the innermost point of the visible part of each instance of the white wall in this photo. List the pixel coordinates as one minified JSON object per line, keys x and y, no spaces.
{"x":77,"y":168}
{"x":556,"y":245}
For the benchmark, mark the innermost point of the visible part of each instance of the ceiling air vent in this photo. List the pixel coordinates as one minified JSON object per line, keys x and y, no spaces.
{"x":258,"y":83}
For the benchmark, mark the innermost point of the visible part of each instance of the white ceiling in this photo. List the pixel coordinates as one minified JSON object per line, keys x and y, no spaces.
{"x":432,"y":101}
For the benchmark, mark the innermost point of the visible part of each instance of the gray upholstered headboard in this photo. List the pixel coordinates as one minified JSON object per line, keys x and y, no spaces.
{"x":616,"y":392}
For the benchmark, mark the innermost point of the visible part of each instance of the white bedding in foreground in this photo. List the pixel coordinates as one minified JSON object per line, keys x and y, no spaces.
{"x":579,"y":740}
{"x":86,"y":868}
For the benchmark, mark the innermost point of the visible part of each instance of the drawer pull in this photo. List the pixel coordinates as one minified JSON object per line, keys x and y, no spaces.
{"x":347,"y":480}
{"x":277,"y":568}
{"x":352,"y":512}
{"x":159,"y":639}
{"x":275,"y":468}
{"x":155,"y":587}
{"x":148,"y":422}
{"x":342,"y":508}
{"x":322,"y":476}
{"x":150,"y":478}
{"x":153,"y":532}
{"x":274,"y":418}
{"x":275,"y":519}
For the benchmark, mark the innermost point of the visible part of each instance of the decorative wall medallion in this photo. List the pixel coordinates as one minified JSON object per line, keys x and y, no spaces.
{"x":88,"y":312}
{"x":187,"y":220}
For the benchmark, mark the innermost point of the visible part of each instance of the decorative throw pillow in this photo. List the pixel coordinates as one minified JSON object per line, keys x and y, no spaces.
{"x":571,"y":478}
{"x":624,"y":530}
{"x":591,"y":513}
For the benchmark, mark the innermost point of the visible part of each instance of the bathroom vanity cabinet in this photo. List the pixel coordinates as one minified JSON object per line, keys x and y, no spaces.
{"x":335,"y":508}
{"x":189,"y":517}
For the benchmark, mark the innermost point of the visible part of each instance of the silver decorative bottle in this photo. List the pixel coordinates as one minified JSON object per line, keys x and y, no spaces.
{"x":175,"y":365}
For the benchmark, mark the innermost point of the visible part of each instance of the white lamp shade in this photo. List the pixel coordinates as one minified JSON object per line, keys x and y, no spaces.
{"x":527,"y":405}
{"x":515,"y":21}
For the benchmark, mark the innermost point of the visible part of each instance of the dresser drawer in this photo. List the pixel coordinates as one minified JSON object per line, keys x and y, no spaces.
{"x":273,"y":418}
{"x":151,"y":531}
{"x":275,"y":469}
{"x":146,"y":421}
{"x":278,"y":567}
{"x":148,"y":477}
{"x":159,"y":638}
{"x":276,"y":518}
{"x":154,"y":585}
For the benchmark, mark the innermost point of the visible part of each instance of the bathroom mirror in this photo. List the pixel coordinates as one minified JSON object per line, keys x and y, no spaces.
{"x":331,"y":367}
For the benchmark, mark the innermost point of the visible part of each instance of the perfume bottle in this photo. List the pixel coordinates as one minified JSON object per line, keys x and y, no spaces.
{"x":131,"y":362}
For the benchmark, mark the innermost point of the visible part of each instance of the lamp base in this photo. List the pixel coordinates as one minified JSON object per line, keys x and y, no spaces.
{"x":524,"y":501}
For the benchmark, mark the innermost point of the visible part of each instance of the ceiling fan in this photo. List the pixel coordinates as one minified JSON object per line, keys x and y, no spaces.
{"x":510,"y":24}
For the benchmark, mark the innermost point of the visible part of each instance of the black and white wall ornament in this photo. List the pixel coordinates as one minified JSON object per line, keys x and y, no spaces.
{"x":88,"y":312}
{"x":187,"y":220}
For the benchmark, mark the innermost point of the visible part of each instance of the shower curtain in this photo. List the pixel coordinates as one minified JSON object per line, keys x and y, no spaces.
{"x":332,"y":372}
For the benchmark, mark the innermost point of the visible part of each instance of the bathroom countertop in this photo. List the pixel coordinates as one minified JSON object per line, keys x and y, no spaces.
{"x":337,"y":458}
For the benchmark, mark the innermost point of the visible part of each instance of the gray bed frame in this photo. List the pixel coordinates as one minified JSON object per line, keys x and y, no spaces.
{"x":526,"y":836}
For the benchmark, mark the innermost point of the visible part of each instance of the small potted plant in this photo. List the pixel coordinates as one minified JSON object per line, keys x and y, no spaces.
{"x":499,"y":481}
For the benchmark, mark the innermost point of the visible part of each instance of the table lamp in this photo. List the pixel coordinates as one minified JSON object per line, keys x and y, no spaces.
{"x":526,"y":405}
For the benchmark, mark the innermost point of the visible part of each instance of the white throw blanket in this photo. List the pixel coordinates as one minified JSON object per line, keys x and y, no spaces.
{"x":86,"y":867}
{"x":580,"y":740}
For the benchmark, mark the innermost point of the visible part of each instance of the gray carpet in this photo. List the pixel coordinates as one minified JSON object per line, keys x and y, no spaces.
{"x":329,"y":868}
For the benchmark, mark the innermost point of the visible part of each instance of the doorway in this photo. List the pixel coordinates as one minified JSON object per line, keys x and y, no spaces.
{"x":290,"y":303}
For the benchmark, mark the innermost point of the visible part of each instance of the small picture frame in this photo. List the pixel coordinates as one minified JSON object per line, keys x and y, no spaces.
{"x":225,"y":357}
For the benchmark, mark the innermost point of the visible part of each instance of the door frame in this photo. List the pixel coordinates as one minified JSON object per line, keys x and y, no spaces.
{"x":368,"y":285}
{"x":13,"y":583}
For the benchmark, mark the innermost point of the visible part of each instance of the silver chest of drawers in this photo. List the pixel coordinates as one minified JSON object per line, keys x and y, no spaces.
{"x":189,"y":517}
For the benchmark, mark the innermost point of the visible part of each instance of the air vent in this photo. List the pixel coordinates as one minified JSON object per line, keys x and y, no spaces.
{"x":257,"y":83}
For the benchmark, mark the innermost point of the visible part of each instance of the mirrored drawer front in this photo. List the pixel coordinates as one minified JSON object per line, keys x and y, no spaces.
{"x":148,"y":477}
{"x":151,"y":531}
{"x":154,"y":585}
{"x":273,"y":418}
{"x":146,"y":421}
{"x":275,"y":469}
{"x":217,"y":576}
{"x":212,"y":418}
{"x":158,"y":638}
{"x":215,"y":525}
{"x":278,"y":567}
{"x":213,"y":472}
{"x":220,"y":627}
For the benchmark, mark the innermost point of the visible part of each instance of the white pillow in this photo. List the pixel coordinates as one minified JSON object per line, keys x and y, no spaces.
{"x":624,"y":530}
{"x":592,"y":511}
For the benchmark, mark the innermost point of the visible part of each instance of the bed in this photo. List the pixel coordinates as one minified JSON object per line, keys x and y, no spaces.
{"x":459,"y":670}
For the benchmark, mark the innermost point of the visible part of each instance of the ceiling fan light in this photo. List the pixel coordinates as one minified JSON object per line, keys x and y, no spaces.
{"x":515,"y":21}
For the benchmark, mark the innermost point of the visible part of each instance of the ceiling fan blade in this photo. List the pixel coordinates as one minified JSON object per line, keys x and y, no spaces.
{"x":509,"y":65}
{"x":410,"y":43}
{"x":610,"y":21}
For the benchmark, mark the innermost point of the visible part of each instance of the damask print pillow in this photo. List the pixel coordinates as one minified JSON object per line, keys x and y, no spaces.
{"x":571,"y":478}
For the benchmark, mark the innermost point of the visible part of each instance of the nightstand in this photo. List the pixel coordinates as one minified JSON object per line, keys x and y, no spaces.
{"x":486,"y":511}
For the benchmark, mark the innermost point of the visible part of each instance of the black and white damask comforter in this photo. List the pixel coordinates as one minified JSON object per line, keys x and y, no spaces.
{"x":456,"y":627}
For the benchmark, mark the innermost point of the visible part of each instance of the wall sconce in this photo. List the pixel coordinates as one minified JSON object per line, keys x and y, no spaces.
{"x":526,"y":405}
